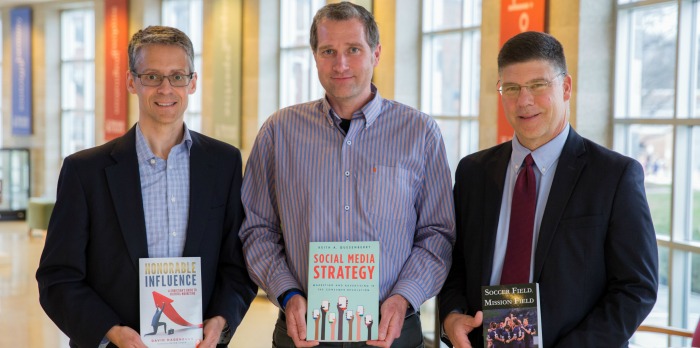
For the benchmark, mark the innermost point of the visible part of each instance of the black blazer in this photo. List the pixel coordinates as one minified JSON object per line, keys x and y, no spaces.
{"x":596,"y":259}
{"x":88,"y":273}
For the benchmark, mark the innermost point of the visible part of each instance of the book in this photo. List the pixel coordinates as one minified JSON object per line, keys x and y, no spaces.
{"x":343,"y":291}
{"x":511,"y":313}
{"x":170,"y":294}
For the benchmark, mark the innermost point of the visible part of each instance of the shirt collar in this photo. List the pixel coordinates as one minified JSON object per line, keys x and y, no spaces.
{"x":544,"y":156}
{"x":143,"y":151}
{"x":369,"y":111}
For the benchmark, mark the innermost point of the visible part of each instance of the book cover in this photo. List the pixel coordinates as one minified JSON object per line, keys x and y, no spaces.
{"x":512,"y":315}
{"x":171,"y":301}
{"x":343,"y":291}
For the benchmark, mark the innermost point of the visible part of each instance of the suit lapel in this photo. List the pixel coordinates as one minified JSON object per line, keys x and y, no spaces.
{"x":125,"y":187}
{"x":571,"y":162}
{"x":202,"y":174}
{"x":495,"y":171}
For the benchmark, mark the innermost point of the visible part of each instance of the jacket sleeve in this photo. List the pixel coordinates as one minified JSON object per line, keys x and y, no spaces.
{"x":631,"y":261}
{"x":452,"y":297}
{"x":64,"y":292}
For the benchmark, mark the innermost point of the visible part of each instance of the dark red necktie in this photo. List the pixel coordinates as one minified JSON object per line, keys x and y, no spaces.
{"x":516,"y":266}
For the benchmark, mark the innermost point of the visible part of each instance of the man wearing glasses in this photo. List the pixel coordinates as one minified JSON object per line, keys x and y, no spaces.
{"x":553,"y":208}
{"x":160,"y":190}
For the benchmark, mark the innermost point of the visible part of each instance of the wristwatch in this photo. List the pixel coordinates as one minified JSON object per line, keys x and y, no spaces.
{"x":225,"y":336}
{"x":443,"y":334}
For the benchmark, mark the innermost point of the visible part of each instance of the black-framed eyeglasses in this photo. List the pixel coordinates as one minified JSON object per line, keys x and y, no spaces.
{"x":537,"y":87}
{"x":154,"y":80}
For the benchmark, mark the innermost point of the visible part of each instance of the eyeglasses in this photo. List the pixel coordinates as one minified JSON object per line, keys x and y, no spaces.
{"x":154,"y":80}
{"x":538,"y":87}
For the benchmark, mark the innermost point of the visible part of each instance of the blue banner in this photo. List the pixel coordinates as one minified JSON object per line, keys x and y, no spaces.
{"x":21,"y":32}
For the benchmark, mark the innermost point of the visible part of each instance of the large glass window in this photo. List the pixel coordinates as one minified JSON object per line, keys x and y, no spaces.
{"x":657,"y":121}
{"x":450,"y":72}
{"x":298,"y":79}
{"x":186,"y":15}
{"x":694,"y":205}
{"x":1,"y":116}
{"x":451,"y":47}
{"x":77,"y":80}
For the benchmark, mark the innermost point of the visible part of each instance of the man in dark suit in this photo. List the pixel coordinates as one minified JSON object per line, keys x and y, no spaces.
{"x":158,"y":191}
{"x":591,"y":243}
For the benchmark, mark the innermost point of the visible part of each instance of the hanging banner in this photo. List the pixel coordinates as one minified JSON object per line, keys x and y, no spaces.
{"x":21,"y":40}
{"x":116,"y":65}
{"x":517,"y":16}
{"x":223,"y":56}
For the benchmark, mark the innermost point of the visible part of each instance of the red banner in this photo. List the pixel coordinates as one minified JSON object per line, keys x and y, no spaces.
{"x":116,"y":65}
{"x":517,"y":16}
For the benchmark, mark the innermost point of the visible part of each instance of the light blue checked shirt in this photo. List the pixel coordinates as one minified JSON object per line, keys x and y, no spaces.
{"x":165,"y":187}
{"x":387,"y":179}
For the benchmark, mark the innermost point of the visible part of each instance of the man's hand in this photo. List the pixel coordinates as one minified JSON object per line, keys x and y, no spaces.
{"x":296,"y":322}
{"x":125,"y":337}
{"x":393,"y":313}
{"x":458,"y":326}
{"x":212,"y":331}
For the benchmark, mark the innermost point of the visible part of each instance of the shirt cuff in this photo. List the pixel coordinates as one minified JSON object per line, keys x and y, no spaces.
{"x":411,"y":291}
{"x":284,"y":298}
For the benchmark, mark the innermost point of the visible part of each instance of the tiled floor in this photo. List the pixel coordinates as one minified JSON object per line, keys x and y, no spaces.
{"x":24,"y":324}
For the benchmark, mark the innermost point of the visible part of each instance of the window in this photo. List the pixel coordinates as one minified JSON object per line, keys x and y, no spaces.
{"x":186,"y":15}
{"x":450,"y":72}
{"x":451,"y":47}
{"x":657,"y":121}
{"x":298,"y":81}
{"x":1,"y":118}
{"x":77,"y":80}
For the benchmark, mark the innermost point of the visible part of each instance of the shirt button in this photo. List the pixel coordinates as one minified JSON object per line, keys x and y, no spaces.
{"x":347,"y":173}
{"x":172,"y":199}
{"x":174,"y":233}
{"x":347,"y":208}
{"x":349,"y":142}
{"x":153,"y":161}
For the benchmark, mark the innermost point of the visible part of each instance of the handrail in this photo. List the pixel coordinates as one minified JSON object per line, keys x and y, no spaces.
{"x":668,"y":330}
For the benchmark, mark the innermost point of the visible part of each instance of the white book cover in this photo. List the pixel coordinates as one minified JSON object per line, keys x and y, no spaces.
{"x":171,"y":301}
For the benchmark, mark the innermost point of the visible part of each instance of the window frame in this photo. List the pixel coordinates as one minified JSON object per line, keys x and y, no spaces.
{"x":88,"y":62}
{"x":311,"y":89}
{"x":194,"y":30}
{"x":467,"y":117}
{"x":678,"y":249}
